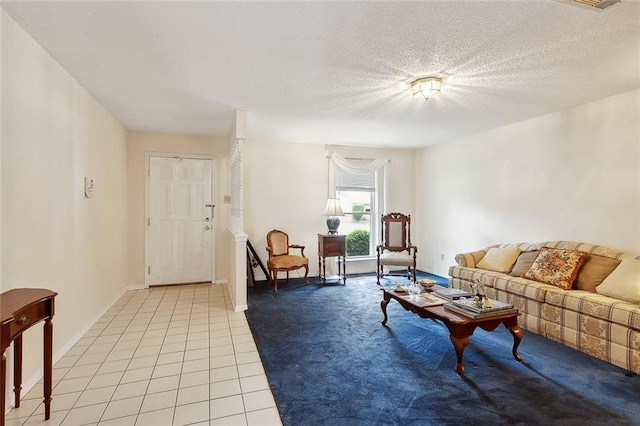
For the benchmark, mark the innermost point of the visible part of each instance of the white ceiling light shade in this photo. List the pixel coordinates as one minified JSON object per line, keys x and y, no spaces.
{"x":426,"y":87}
{"x":597,"y":4}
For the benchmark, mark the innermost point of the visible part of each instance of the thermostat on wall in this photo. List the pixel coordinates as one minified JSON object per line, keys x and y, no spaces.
{"x":88,"y":187}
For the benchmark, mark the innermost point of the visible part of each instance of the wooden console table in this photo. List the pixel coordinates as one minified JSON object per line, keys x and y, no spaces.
{"x":20,"y":309}
{"x":332,"y":245}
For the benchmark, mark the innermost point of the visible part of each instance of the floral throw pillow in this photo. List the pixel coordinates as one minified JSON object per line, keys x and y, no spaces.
{"x":556,"y":267}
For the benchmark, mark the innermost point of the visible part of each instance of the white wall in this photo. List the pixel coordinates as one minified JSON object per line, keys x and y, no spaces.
{"x":571,"y":175}
{"x":139,"y":143}
{"x":53,"y":135}
{"x":286,"y":188}
{"x":235,"y":237}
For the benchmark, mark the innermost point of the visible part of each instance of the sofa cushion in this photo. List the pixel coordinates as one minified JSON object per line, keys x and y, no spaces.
{"x":499,"y":259}
{"x":522,"y":286}
{"x":396,"y":258}
{"x":473,"y":274}
{"x":556,"y":267}
{"x":524,"y":262}
{"x":595,"y":305}
{"x":585,"y":247}
{"x":470,"y":260}
{"x":624,"y":282}
{"x":594,"y":270}
{"x":522,"y":246}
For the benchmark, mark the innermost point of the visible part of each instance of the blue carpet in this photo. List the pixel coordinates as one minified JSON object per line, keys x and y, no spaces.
{"x":329,"y":361}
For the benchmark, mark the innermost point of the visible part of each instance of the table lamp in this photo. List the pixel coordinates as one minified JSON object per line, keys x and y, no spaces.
{"x":332,"y":211}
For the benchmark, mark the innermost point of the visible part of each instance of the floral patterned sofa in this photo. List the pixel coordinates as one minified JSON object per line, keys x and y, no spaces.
{"x":592,"y":305}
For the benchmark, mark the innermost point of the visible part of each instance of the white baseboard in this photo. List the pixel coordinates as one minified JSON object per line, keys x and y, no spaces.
{"x":240,"y":308}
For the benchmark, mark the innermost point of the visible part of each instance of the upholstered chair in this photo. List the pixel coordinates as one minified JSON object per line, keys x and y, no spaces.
{"x":395,"y":248}
{"x":280,"y":259}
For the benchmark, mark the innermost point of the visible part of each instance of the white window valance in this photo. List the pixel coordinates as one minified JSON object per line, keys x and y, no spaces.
{"x":358,"y":166}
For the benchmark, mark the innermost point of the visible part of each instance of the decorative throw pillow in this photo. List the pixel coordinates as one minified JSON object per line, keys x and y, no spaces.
{"x":624,"y":282}
{"x":524,"y":262}
{"x":594,"y":271}
{"x":499,"y":259}
{"x":556,"y":267}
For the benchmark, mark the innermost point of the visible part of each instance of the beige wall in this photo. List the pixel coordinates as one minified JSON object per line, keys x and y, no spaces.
{"x":571,"y":175}
{"x":285,"y":187}
{"x":139,"y":143}
{"x":53,"y":135}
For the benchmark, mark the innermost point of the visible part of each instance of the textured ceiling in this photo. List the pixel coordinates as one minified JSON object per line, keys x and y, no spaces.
{"x":337,"y":72}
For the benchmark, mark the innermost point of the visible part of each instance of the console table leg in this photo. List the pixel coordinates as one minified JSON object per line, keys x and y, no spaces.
{"x":17,"y":369}
{"x":324,"y":269}
{"x":48,"y":366}
{"x":344,"y":269}
{"x":459,"y":343}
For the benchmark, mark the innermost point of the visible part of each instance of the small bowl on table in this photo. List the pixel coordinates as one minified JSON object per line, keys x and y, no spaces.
{"x":427,"y":284}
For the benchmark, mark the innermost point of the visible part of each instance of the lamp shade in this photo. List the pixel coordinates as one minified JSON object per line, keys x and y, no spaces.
{"x":333,"y":207}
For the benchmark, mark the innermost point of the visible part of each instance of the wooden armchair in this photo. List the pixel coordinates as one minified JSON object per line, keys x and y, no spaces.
{"x":396,"y":248}
{"x":280,"y":259}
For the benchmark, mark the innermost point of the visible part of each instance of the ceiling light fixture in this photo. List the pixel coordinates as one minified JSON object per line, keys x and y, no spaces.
{"x":591,"y":4}
{"x":426,"y":87}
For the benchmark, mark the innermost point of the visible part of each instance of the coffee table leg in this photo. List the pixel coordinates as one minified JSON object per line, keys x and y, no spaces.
{"x":459,"y":343}
{"x":517,"y":338}
{"x":383,"y":305}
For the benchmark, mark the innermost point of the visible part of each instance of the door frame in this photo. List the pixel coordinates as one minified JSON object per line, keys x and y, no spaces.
{"x":147,"y":178}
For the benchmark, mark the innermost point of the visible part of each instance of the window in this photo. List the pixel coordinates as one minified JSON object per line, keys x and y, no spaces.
{"x":359,"y":195}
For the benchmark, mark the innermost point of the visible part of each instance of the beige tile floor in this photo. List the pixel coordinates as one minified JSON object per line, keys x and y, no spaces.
{"x":174,"y":355}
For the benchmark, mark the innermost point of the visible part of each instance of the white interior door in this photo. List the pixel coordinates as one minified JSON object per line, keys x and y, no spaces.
{"x":180,"y":220}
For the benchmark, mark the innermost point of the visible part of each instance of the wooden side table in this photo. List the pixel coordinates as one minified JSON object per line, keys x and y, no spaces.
{"x":20,"y":309}
{"x":332,"y":245}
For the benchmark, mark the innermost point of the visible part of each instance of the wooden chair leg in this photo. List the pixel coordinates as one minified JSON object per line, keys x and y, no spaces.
{"x":380,"y":273}
{"x":275,"y":281}
{"x":306,"y":272}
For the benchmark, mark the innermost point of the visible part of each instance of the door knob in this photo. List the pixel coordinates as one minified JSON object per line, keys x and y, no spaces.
{"x":207,"y":227}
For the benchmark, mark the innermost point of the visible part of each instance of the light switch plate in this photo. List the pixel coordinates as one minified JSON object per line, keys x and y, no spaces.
{"x":88,"y":187}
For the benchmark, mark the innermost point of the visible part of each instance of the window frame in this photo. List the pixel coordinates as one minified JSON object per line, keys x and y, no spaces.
{"x":376,"y":205}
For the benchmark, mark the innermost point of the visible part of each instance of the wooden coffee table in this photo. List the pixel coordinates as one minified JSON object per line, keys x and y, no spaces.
{"x":460,"y":327}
